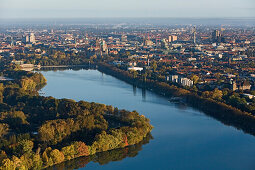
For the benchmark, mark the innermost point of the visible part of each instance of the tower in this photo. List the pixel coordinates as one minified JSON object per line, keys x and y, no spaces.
{"x":216,"y":36}
{"x":194,"y":35}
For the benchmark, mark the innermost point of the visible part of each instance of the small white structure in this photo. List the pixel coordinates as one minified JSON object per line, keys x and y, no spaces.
{"x":117,"y":63}
{"x":250,"y":96}
{"x":5,"y":78}
{"x":135,"y":68}
{"x":191,"y":59}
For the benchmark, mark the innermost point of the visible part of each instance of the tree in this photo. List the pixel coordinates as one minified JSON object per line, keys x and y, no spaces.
{"x":195,"y":79}
{"x":69,"y":152}
{"x":7,"y":164}
{"x":37,"y":161}
{"x":154,"y":66}
{"x":135,"y":73}
{"x":145,"y":76}
{"x":217,"y":94}
{"x":2,"y":156}
{"x":28,"y":84}
{"x":17,"y":117}
{"x":25,"y":147}
{"x":45,"y":156}
{"x":57,"y":156}
{"x":81,"y":148}
{"x":217,"y":75}
{"x":3,"y":129}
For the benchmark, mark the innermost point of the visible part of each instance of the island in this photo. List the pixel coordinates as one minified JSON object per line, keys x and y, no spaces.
{"x":37,"y":132}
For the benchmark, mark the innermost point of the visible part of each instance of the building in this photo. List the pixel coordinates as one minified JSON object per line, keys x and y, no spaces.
{"x":103,"y":47}
{"x":249,"y":96}
{"x":245,"y":86}
{"x":191,"y":59}
{"x":164,"y":44}
{"x":149,"y":43}
{"x":173,"y":78}
{"x":25,"y":39}
{"x":28,"y":38}
{"x":117,"y":63}
{"x":32,"y":38}
{"x":18,"y":62}
{"x":234,"y":86}
{"x":5,"y":78}
{"x":216,"y":36}
{"x":172,"y":38}
{"x":124,"y":38}
{"x":186,"y":82}
{"x":135,"y":68}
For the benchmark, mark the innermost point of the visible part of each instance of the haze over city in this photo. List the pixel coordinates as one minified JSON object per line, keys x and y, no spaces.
{"x":130,"y":8}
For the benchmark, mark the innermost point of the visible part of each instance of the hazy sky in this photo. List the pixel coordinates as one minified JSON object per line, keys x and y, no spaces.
{"x":125,"y":8}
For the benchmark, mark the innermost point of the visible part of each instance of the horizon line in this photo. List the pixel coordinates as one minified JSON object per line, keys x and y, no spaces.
{"x":152,"y":17}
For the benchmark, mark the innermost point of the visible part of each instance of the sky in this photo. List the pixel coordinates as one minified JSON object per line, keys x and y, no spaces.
{"x":128,"y":8}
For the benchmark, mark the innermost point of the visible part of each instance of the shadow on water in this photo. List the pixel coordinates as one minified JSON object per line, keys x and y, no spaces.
{"x":103,"y":158}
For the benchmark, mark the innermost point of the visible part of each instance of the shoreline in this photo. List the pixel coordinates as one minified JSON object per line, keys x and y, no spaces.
{"x":62,"y":125}
{"x":222,"y":112}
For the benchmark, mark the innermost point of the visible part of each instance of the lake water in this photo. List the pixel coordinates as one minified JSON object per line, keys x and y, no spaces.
{"x":183,"y":138}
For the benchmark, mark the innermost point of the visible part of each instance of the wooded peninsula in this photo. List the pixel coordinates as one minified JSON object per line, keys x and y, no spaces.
{"x":37,"y":132}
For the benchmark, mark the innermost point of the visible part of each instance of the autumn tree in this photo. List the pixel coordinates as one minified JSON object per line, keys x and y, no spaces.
{"x":217,"y":94}
{"x":195,"y":79}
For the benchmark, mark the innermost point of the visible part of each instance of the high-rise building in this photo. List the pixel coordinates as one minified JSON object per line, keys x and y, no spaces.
{"x":216,"y":36}
{"x":164,"y":44}
{"x":194,"y":34}
{"x":27,"y":39}
{"x":32,"y":38}
{"x":104,"y":45}
{"x":172,"y":38}
{"x":123,"y":38}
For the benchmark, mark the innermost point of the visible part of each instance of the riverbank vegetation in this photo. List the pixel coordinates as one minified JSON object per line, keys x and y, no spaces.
{"x":212,"y":105}
{"x":38,"y":132}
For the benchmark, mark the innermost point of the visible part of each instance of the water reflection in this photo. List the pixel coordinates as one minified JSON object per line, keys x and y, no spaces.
{"x":134,"y":90}
{"x":186,"y":138}
{"x":103,"y":158}
{"x":144,"y":94}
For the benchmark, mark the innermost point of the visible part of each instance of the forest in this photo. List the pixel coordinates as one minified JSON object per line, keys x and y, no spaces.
{"x":38,"y":132}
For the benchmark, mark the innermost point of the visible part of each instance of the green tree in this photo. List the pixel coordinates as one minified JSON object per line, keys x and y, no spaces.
{"x":217,"y":94}
{"x":25,"y":147}
{"x":154,"y":66}
{"x":195,"y":79}
{"x":7,"y":164}
{"x":37,"y":161}
{"x":57,"y":156}
{"x":28,"y":84}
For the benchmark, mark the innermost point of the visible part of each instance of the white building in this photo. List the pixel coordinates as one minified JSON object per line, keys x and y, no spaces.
{"x":32,"y":38}
{"x":174,"y":78}
{"x":186,"y":82}
{"x":191,"y":59}
{"x":135,"y":68}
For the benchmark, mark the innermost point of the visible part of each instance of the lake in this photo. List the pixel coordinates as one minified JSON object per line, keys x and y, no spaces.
{"x":183,"y":137}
